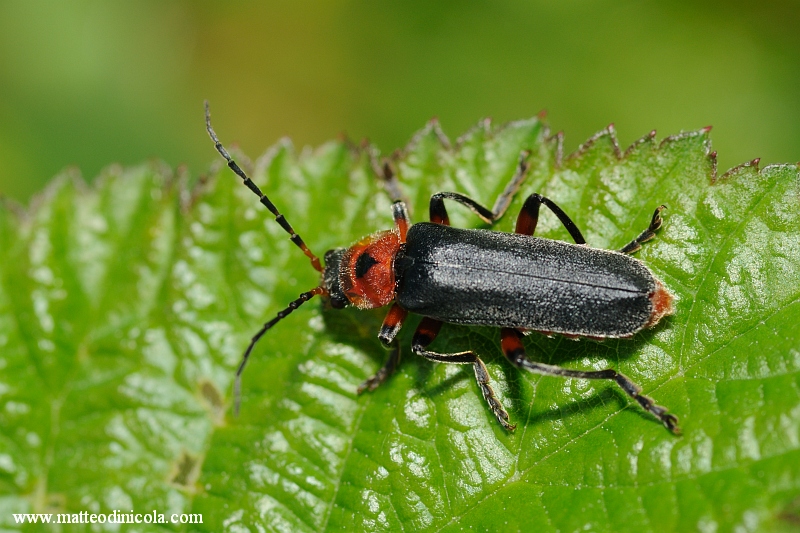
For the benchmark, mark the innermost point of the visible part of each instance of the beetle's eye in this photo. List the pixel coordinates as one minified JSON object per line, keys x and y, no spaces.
{"x":364,"y":263}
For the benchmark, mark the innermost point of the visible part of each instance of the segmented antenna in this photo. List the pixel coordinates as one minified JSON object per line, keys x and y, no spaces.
{"x":279,"y":218}
{"x":237,"y":384}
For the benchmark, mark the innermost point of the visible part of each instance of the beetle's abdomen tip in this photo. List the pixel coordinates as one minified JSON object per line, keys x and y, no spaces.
{"x":662,"y":304}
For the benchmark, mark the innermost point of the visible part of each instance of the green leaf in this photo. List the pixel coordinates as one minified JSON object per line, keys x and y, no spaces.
{"x":124,"y":310}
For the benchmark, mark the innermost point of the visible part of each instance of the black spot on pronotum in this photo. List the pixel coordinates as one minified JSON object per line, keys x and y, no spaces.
{"x":364,"y":263}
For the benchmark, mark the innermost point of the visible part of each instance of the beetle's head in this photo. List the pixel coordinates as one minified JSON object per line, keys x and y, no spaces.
{"x":362,"y":275}
{"x":330,"y":278}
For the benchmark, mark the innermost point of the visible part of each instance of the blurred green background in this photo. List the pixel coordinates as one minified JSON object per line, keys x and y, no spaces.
{"x":89,"y":83}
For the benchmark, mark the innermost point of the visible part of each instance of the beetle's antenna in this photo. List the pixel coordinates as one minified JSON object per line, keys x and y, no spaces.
{"x":279,"y":218}
{"x":237,"y":384}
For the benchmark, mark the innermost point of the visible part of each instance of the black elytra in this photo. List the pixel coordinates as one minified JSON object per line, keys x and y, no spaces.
{"x":513,"y":281}
{"x":522,"y":282}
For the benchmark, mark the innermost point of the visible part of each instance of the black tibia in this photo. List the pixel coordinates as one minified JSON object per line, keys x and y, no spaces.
{"x":392,"y":324}
{"x":389,"y":330}
{"x":529,"y":217}
{"x":647,"y":234}
{"x":388,"y":177}
{"x":438,"y":212}
{"x":513,"y":350}
{"x":279,"y":218}
{"x":401,"y":218}
{"x":426,"y":332}
{"x":385,"y":171}
{"x":237,"y":384}
{"x":505,"y":198}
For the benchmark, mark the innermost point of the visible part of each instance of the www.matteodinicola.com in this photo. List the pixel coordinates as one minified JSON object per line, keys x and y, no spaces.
{"x":114,"y":517}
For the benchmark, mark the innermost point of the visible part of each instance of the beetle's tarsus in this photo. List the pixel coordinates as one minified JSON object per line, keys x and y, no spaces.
{"x":383,"y":373}
{"x":669,"y":420}
{"x":482,"y":375}
{"x":655,"y":223}
{"x":372,"y":383}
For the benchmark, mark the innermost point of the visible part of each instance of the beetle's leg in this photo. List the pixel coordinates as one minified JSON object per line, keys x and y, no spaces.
{"x":385,"y":371}
{"x":506,"y":197}
{"x":426,"y":332}
{"x":647,"y":234}
{"x":389,"y":330}
{"x":401,"y":218}
{"x":529,"y":216}
{"x":399,"y":208}
{"x":385,"y":171}
{"x":511,"y":343}
{"x":438,"y":212}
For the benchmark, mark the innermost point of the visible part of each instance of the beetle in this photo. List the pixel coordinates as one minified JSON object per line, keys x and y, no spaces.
{"x":514,"y":281}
